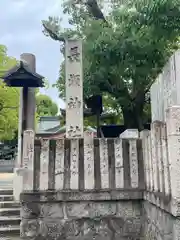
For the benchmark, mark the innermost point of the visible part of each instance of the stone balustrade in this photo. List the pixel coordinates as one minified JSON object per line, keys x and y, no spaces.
{"x":82,"y":164}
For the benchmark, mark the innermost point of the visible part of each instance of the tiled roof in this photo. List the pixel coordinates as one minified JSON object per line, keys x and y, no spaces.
{"x":21,"y":74}
{"x":51,"y":125}
{"x":48,"y":125}
{"x":19,"y":65}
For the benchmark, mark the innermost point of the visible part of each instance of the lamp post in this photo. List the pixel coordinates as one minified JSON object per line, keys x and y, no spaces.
{"x":24,"y":76}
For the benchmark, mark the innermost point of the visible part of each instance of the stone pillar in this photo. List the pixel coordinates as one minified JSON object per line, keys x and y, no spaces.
{"x":167,"y":185}
{"x":150,"y":162}
{"x":27,"y":106}
{"x":160,"y":157}
{"x":59,"y":164}
{"x":173,"y":138}
{"x":144,"y":136}
{"x":28,"y":160}
{"x":74,"y":89}
{"x":44,"y":164}
{"x":104,"y":165}
{"x":132,"y":135}
{"x":119,"y":164}
{"x":74,"y":104}
{"x":89,"y":181}
{"x":31,"y":101}
{"x":155,"y":143}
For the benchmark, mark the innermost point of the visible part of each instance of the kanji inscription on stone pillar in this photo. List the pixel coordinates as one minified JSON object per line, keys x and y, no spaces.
{"x":74,"y":89}
{"x":28,"y":160}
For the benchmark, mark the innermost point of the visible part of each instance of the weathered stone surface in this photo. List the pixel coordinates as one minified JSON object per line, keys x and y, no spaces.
{"x":158,"y":224}
{"x":91,"y":209}
{"x":44,"y":164}
{"x":130,"y":134}
{"x":104,"y":168}
{"x":119,"y":166}
{"x":113,"y":228}
{"x":133,"y":164}
{"x":89,"y":182}
{"x":82,"y":220}
{"x":164,"y":91}
{"x":128,"y":209}
{"x":28,"y":160}
{"x":48,"y":218}
{"x":74,"y":89}
{"x":59,"y":164}
{"x":48,"y":196}
{"x":30,"y":210}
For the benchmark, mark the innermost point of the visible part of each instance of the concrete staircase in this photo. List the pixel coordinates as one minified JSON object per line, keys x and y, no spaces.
{"x":9,"y":216}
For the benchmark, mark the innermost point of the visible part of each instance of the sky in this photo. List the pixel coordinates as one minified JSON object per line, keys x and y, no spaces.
{"x":21,"y":32}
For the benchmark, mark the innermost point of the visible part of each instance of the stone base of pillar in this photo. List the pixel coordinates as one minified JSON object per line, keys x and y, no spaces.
{"x":17,"y":183}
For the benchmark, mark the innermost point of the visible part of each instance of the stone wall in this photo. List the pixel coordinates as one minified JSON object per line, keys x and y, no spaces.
{"x":109,"y":215}
{"x":161,"y":208}
{"x":158,"y":224}
{"x":165,"y":91}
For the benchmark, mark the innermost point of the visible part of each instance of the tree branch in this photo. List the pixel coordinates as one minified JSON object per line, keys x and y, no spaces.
{"x":52,"y":34}
{"x":148,"y":87}
{"x":94,"y":9}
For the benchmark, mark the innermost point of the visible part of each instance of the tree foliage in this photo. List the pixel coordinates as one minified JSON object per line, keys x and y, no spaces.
{"x":9,"y":98}
{"x":45,"y":106}
{"x":124,"y":49}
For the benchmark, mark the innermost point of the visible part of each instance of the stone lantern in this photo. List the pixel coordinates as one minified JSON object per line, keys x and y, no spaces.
{"x":24,"y":76}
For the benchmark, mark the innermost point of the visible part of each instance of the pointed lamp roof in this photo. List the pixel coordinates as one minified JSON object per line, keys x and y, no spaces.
{"x":22,"y":76}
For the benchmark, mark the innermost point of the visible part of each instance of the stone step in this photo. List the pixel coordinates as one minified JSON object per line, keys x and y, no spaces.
{"x":10,"y":211}
{"x":6,"y":192}
{"x":7,"y":221}
{"x":6,"y":198}
{"x":9,"y":231}
{"x":6,"y":185}
{"x":9,"y":204}
{"x":14,"y":237}
{"x":9,"y":215}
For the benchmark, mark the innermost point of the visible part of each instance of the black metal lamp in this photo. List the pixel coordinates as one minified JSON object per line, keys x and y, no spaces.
{"x":22,"y":76}
{"x":95,"y":104}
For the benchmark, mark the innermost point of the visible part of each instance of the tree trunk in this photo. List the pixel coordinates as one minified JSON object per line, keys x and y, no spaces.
{"x":133,"y":117}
